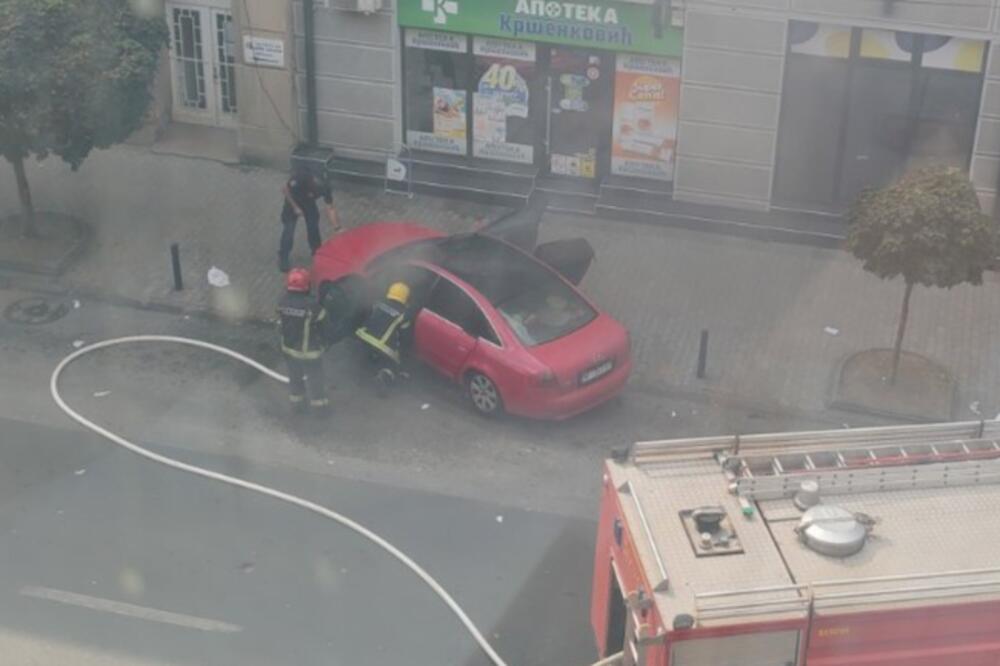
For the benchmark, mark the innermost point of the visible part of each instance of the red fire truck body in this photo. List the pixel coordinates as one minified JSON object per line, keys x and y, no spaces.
{"x":861,"y":547}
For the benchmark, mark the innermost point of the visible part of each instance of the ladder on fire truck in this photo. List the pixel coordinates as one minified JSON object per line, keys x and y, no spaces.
{"x":773,"y":466}
{"x":858,"y":460}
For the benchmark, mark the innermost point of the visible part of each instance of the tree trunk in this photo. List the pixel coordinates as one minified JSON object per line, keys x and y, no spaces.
{"x":898,"y":348}
{"x":24,"y":193}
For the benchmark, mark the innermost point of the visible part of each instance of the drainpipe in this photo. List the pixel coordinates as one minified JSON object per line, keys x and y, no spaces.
{"x":996,"y":198}
{"x":661,"y":17}
{"x":312,"y":124}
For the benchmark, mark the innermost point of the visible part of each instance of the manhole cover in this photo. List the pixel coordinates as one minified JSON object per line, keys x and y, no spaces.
{"x":35,"y":311}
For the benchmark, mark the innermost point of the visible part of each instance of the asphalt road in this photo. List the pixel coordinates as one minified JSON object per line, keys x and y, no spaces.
{"x":109,"y":559}
{"x":105,"y":554}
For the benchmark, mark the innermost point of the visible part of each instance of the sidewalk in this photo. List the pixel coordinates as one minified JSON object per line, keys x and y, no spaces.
{"x":766,"y":305}
{"x":137,"y":203}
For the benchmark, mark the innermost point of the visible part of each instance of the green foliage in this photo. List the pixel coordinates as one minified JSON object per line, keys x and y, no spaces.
{"x":74,"y":75}
{"x":927,"y":227}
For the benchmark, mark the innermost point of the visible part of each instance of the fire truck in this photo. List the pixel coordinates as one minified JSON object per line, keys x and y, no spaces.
{"x":847,"y":547}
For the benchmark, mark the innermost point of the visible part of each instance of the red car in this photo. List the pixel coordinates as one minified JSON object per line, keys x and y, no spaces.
{"x":516,"y":334}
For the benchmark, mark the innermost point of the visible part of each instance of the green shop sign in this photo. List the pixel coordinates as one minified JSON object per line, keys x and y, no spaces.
{"x":607,"y":24}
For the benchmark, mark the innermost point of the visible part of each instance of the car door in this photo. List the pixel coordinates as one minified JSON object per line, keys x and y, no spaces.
{"x":347,"y":302}
{"x":441,"y":337}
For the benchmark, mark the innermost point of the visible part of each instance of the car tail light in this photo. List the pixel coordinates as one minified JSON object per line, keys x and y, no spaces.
{"x":547,"y":379}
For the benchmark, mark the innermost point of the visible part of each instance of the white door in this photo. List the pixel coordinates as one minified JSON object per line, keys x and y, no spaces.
{"x":202,"y":64}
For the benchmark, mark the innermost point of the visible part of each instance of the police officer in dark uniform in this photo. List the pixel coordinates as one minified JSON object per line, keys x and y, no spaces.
{"x":385,"y":331}
{"x":301,"y":192}
{"x":301,"y":320}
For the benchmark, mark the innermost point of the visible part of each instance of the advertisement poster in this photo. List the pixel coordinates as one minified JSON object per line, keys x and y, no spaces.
{"x":449,"y":124}
{"x":437,"y":41}
{"x":645,"y":119}
{"x":501,"y":94}
{"x":581,"y":165}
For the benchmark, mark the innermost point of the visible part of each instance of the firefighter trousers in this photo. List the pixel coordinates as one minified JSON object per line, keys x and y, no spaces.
{"x":306,"y":379}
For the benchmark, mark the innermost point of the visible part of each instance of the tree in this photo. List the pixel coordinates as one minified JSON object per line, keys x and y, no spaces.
{"x":927,"y":227}
{"x":75,"y":75}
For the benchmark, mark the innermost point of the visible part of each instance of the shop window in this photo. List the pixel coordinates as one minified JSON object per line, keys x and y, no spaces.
{"x":905,"y":100}
{"x":878,"y":121}
{"x":644,"y":134}
{"x":437,"y":78}
{"x":947,"y":106}
{"x":811,"y":120}
{"x":506,"y":83}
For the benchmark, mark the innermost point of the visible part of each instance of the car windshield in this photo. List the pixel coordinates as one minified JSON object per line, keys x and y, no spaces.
{"x":536,"y":304}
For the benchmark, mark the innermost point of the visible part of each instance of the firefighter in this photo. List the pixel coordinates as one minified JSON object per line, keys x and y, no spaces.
{"x":385,"y":331}
{"x":301,"y":320}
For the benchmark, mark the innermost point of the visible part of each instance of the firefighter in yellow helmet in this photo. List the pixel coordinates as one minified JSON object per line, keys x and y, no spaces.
{"x":385,"y":333}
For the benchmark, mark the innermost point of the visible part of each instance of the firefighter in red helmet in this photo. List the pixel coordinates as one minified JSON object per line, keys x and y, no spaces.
{"x":300,"y":321}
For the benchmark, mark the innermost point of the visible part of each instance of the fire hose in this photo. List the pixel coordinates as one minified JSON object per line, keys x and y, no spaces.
{"x":343,"y":520}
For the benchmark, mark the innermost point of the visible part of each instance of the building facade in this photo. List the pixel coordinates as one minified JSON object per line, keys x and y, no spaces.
{"x":759,"y":105}
{"x":802,"y":103}
{"x":226,"y":84}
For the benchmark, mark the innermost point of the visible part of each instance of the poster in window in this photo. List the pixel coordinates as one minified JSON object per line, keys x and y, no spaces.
{"x":963,"y":55}
{"x":580,"y":165}
{"x":437,"y":41}
{"x":885,"y":45}
{"x":449,"y":124}
{"x":808,"y":38}
{"x":501,"y":99}
{"x":644,"y":134}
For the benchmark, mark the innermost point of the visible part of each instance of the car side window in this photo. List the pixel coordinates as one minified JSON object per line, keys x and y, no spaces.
{"x":453,"y":304}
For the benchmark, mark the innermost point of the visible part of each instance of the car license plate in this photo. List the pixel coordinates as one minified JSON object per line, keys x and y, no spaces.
{"x":596,"y":372}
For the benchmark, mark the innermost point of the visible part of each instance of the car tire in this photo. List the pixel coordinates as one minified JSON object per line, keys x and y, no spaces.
{"x":483,"y":394}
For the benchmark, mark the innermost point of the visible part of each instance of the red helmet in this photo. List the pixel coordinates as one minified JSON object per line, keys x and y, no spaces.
{"x":298,"y":280}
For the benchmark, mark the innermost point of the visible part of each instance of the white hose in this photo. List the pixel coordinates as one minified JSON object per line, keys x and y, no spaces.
{"x":240,"y":483}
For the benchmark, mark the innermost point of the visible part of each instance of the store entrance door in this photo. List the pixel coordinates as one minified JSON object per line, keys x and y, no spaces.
{"x":578,"y":125}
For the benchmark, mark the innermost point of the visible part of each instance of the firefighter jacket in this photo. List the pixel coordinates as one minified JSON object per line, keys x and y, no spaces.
{"x":300,"y":323}
{"x":388,"y":321}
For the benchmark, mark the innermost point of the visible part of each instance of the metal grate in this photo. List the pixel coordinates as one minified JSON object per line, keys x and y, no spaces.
{"x":188,"y":54}
{"x":226,"y":62}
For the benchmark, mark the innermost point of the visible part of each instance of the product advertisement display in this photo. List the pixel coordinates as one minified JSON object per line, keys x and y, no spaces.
{"x":645,"y":122}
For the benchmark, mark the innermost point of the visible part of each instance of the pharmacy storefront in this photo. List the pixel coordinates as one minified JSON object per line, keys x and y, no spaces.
{"x":576,"y":89}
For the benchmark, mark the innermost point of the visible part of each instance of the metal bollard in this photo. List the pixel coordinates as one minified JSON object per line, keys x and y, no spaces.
{"x":702,"y":354}
{"x":175,"y":260}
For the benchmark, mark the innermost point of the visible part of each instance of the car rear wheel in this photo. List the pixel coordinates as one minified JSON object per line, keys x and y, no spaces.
{"x":483,"y":394}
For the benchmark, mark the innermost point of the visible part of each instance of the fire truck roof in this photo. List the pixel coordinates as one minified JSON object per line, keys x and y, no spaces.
{"x":732,"y":529}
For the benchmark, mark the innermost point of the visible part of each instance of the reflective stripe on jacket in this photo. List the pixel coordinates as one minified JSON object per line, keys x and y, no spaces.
{"x":382,"y":330}
{"x":300,"y":320}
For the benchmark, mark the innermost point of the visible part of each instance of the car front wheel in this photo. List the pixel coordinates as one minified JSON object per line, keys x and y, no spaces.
{"x":483,"y":394}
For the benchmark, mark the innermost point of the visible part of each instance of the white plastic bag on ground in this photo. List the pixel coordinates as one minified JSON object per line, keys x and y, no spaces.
{"x":218,"y":277}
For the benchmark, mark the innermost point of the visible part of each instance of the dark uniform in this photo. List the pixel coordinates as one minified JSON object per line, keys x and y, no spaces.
{"x":304,"y":189}
{"x":302,"y":342}
{"x":385,"y":332}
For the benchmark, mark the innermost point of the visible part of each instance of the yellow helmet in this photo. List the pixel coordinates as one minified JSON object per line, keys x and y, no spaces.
{"x":399,"y":292}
